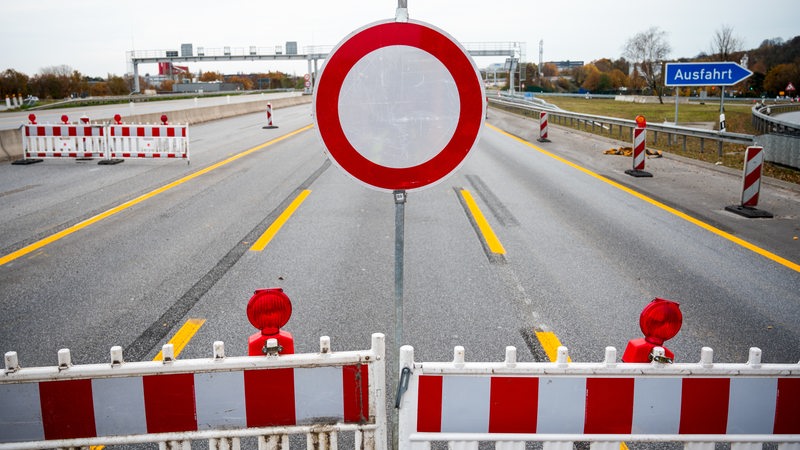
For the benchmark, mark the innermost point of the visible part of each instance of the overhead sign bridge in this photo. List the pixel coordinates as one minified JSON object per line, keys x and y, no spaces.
{"x":312,"y":54}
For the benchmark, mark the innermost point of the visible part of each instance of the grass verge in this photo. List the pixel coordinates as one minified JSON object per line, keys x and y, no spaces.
{"x":737,"y":117}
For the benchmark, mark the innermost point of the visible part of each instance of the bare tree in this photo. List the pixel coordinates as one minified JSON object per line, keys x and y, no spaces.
{"x":648,"y":50}
{"x":724,"y":43}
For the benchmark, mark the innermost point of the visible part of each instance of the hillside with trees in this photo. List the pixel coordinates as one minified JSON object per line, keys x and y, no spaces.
{"x":775,"y":63}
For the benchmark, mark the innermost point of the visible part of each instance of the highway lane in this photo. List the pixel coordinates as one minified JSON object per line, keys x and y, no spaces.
{"x":13,"y":119}
{"x":582,"y":257}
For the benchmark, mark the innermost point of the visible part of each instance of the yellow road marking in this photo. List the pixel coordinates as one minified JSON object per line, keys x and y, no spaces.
{"x":486,"y":230}
{"x":273,"y":229}
{"x":550,"y":344}
{"x":81,"y":225}
{"x":183,"y":336}
{"x":754,"y":248}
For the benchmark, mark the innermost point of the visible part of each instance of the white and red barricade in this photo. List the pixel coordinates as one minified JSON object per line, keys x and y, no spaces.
{"x":543,"y":119}
{"x":269,"y":117}
{"x":63,"y":141}
{"x":562,"y":402}
{"x":222,"y":397}
{"x":751,"y":180}
{"x":751,"y":185}
{"x":639,"y":151}
{"x":148,"y":141}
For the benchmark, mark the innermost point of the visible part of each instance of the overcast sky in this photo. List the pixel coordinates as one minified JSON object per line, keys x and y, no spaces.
{"x":93,"y":36}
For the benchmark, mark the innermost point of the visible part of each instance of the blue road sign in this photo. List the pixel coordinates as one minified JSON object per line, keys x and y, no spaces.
{"x":705,"y":74}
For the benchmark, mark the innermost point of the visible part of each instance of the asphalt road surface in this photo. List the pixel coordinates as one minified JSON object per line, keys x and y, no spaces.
{"x":146,"y":245}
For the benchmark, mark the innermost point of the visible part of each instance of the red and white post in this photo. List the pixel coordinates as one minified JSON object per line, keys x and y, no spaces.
{"x":543,"y":116}
{"x":639,"y":143}
{"x":269,"y":117}
{"x":751,"y":185}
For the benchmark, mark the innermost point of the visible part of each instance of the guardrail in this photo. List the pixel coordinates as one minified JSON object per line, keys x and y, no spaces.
{"x":594,"y":123}
{"x":765,"y":123}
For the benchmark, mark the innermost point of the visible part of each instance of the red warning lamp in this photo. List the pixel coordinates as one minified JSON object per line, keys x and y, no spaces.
{"x":118,"y":119}
{"x":65,"y":119}
{"x":641,"y":122}
{"x":660,"y":321}
{"x":164,"y":119}
{"x":32,"y":118}
{"x":269,"y":310}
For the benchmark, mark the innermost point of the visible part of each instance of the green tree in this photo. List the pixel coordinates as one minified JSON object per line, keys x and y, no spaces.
{"x":780,"y":76}
{"x":211,"y":76}
{"x":618,"y":79}
{"x":724,"y":44}
{"x":117,"y":85}
{"x":13,"y":83}
{"x":589,"y":78}
{"x":648,"y":49}
{"x":246,"y":82}
{"x":99,"y":89}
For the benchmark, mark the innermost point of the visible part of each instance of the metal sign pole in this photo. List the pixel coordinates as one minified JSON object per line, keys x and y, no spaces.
{"x":399,"y":249}
{"x":677,"y":99}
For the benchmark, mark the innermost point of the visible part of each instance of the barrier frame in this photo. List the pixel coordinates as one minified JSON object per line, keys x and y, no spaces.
{"x":372,"y":434}
{"x":78,"y":141}
{"x":111,"y":143}
{"x":129,"y":141}
{"x":411,"y":439}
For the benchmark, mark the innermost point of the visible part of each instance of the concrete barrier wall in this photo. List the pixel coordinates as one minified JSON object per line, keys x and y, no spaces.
{"x":10,"y":144}
{"x":11,"y":140}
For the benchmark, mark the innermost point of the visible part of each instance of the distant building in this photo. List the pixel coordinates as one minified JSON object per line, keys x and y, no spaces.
{"x":566,"y":65}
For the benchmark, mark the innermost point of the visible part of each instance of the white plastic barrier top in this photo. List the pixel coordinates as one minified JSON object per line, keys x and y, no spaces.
{"x":148,"y":141}
{"x":175,"y":401}
{"x":606,"y":403}
{"x":63,"y":141}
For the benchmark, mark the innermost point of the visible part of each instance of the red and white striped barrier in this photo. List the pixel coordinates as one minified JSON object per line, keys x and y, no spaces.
{"x":63,"y":141}
{"x":751,"y":185}
{"x":269,"y":117}
{"x":598,"y":402}
{"x":148,"y":141}
{"x":543,"y":119}
{"x":639,"y":144}
{"x":639,"y":137}
{"x":72,"y":406}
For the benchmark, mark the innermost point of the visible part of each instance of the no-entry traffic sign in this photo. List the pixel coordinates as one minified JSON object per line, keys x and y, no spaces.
{"x":399,"y":105}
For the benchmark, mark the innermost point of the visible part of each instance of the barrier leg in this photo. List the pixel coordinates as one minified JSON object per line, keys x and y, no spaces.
{"x":557,"y":445}
{"x":510,"y":445}
{"x":462,"y":445}
{"x":604,"y":445}
{"x":699,"y":446}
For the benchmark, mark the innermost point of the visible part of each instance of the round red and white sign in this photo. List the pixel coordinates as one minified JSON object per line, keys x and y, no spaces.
{"x":399,"y":105}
